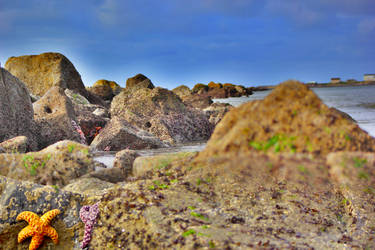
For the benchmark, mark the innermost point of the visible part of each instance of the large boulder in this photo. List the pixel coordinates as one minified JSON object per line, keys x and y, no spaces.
{"x":162,"y":113}
{"x":16,"y":112}
{"x":118,"y":134}
{"x":41,"y":72}
{"x":182,"y":91}
{"x":139,"y":81}
{"x":291,"y":118}
{"x":54,"y":113}
{"x":116,"y":89}
{"x":57,"y":164}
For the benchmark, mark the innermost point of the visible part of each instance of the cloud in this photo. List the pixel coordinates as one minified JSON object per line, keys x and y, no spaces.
{"x":367,"y":26}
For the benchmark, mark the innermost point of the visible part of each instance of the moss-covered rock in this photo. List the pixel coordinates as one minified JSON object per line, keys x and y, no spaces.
{"x":292,"y":119}
{"x":15,"y":145}
{"x":57,"y":164}
{"x":41,"y":72}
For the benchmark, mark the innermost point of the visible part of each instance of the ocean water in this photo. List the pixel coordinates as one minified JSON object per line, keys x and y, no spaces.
{"x":358,"y":102}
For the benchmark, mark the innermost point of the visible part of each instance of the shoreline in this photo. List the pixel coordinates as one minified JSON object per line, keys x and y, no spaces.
{"x":318,"y":85}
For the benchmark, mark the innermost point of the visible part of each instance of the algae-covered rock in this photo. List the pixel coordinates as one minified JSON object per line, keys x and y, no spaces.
{"x":17,"y":197}
{"x":292,"y":119}
{"x":139,"y":81}
{"x":57,"y":164}
{"x":161,"y":113}
{"x":41,"y":72}
{"x":16,"y":112}
{"x":118,"y":134}
{"x":54,"y":113}
{"x":15,"y":145}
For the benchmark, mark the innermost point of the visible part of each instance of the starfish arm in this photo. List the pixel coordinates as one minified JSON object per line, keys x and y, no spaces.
{"x":47,"y":217}
{"x":36,"y":241}
{"x":28,"y":216}
{"x":51,"y":232}
{"x":25,"y":233}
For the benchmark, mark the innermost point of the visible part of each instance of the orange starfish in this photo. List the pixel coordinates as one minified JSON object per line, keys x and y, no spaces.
{"x":38,"y":228}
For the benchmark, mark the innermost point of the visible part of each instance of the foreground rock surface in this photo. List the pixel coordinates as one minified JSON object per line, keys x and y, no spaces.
{"x":161,"y":113}
{"x":57,"y":164}
{"x":290,"y":119}
{"x":26,"y":196}
{"x":16,"y":112}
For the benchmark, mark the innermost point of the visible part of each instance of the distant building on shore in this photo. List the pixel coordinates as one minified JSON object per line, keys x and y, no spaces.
{"x":369,"y":77}
{"x":335,"y":80}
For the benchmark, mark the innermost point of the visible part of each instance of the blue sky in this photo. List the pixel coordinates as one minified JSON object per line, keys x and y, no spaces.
{"x":174,"y":42}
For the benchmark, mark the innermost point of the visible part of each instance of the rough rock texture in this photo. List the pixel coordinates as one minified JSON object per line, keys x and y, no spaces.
{"x":292,"y":119}
{"x":15,"y":145}
{"x":26,"y":196}
{"x":197,"y":101}
{"x":147,"y":164}
{"x":110,"y":175}
{"x":57,"y":164}
{"x":354,"y":174}
{"x":216,"y":112}
{"x":76,"y":98}
{"x":103,"y":91}
{"x":41,"y":72}
{"x":182,"y":91}
{"x":162,"y":113}
{"x":89,"y":186}
{"x":124,"y":160}
{"x":16,"y":112}
{"x":139,"y":81}
{"x":237,"y":201}
{"x":118,"y":134}
{"x":218,"y":90}
{"x":54,"y":113}
{"x":116,"y":89}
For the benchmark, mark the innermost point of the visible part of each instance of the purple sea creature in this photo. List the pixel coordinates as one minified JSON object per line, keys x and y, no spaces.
{"x":88,"y":216}
{"x":79,"y":130}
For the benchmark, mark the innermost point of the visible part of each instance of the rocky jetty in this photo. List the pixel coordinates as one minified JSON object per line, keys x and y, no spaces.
{"x":218,"y":90}
{"x":286,"y":172}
